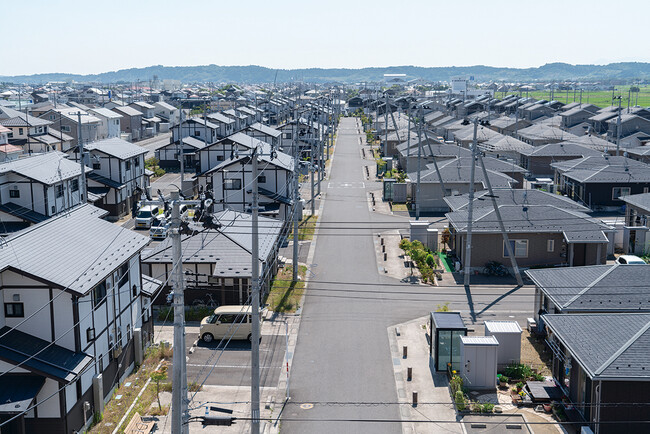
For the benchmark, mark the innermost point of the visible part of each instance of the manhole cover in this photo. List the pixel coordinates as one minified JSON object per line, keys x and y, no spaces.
{"x":306,"y":406}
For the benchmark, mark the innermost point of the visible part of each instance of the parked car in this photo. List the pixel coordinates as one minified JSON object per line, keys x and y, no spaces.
{"x":145,"y":216}
{"x":159,"y":228}
{"x":229,"y":322}
{"x":630,"y":260}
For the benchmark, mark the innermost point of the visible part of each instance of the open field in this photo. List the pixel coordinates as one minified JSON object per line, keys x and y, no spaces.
{"x":598,"y":98}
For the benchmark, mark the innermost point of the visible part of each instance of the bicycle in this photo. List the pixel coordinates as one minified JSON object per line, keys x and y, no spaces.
{"x":208,"y":302}
{"x":494,"y":268}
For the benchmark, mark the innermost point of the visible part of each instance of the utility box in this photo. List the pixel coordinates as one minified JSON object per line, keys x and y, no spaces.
{"x":508,"y":334}
{"x":399,"y":192}
{"x":479,"y":361}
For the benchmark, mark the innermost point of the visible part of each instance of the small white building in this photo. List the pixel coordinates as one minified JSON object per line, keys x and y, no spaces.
{"x":110,"y":122}
{"x":508,"y":333}
{"x":478,"y":360}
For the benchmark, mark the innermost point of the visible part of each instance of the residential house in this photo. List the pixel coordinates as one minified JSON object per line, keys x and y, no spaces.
{"x":36,"y":188}
{"x":600,"y":361}
{"x":456,"y":180}
{"x":201,"y":129}
{"x":637,"y":209}
{"x":219,"y":260}
{"x":26,"y":131}
{"x":600,"y":181}
{"x":538,"y":159}
{"x":150,"y":121}
{"x":215,"y":153}
{"x":167,"y":155}
{"x":231,"y":182}
{"x":577,"y":115}
{"x":130,"y":122}
{"x":514,"y":197}
{"x":67,"y":121}
{"x":631,"y":124}
{"x":109,"y":122}
{"x":167,"y":113}
{"x":118,"y":178}
{"x":68,"y":327}
{"x":8,"y":152}
{"x":508,"y":125}
{"x":264,"y":133}
{"x":408,"y":156}
{"x":504,"y":147}
{"x":592,"y":289}
{"x":542,"y":235}
{"x":541,"y":134}
{"x":241,"y":119}
{"x":226,"y":125}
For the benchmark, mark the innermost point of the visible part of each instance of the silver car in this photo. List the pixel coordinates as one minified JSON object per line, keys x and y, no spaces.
{"x":159,"y":228}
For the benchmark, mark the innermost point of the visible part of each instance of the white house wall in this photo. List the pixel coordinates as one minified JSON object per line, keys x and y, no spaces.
{"x":48,"y":400}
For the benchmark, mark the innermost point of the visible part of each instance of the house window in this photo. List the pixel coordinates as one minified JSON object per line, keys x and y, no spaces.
{"x":197,"y":133}
{"x":99,"y":294}
{"x":645,"y":189}
{"x":519,"y":247}
{"x":286,"y":135}
{"x":14,"y":194}
{"x":75,"y":185}
{"x":14,"y":310}
{"x":65,"y":128}
{"x":232,"y":184}
{"x":128,"y":165}
{"x":97,"y":165}
{"x":52,"y":117}
{"x":261,"y":179}
{"x":136,"y":161}
{"x":219,"y":157}
{"x":20,"y":131}
{"x":59,"y":191}
{"x":123,"y":274}
{"x":550,"y":245}
{"x":134,"y":291}
{"x":618,"y":192}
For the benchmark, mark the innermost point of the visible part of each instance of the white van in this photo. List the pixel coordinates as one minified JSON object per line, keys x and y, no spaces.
{"x":227,"y":322}
{"x":145,"y":216}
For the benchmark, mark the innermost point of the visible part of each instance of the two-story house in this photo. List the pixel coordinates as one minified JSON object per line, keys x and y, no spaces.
{"x":67,"y":120}
{"x":130,"y":122}
{"x":264,"y":133}
{"x":198,"y":128}
{"x":28,"y":132}
{"x":70,"y":330}
{"x":36,"y":188}
{"x":167,"y":113}
{"x":109,"y":122}
{"x":117,"y":176}
{"x":149,"y":118}
{"x":226,"y":125}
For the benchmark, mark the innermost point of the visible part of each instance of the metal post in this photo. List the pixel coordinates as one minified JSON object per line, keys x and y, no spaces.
{"x":311,"y":165}
{"x":179,"y":376}
{"x":497,"y":212}
{"x":181,"y":155}
{"x":408,"y":140}
{"x":255,"y":307}
{"x":470,"y":208}
{"x":386,"y":118}
{"x":82,"y":164}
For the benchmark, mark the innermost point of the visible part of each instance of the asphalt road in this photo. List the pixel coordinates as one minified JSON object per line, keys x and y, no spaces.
{"x":342,"y":354}
{"x":154,"y":143}
{"x":232,"y":367}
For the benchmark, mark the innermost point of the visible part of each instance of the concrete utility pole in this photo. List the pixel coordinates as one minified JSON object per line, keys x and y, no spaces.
{"x":311,"y":164}
{"x":470,"y":208}
{"x":497,"y":213}
{"x":618,"y":128}
{"x":386,"y":118}
{"x":408,"y":139}
{"x":417,"y":190}
{"x":180,"y":415}
{"x":255,"y":307}
{"x":84,"y":193}
{"x":297,"y":216}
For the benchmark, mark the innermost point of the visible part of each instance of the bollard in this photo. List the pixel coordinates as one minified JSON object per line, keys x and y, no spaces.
{"x":385,"y":256}
{"x":415,"y":399}
{"x":383,"y":249}
{"x":404,"y":351}
{"x":409,"y":373}
{"x":382,"y":241}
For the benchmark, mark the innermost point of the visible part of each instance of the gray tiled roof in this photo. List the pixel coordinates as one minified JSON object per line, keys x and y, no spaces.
{"x":639,"y":200}
{"x":604,"y":169}
{"x":561,"y":149}
{"x":491,"y":163}
{"x":266,"y":130}
{"x":117,"y":148}
{"x":49,"y":168}
{"x":575,"y":226}
{"x":461,"y":174}
{"x":603,"y":288}
{"x":92,"y":249}
{"x":514,"y":196}
{"x":228,"y":248}
{"x":219,"y":117}
{"x":607,"y":346}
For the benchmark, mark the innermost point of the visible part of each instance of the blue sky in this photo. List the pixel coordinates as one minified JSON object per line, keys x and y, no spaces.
{"x":91,"y":36}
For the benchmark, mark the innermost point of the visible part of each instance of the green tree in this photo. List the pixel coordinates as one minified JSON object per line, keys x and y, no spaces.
{"x":157,"y":377}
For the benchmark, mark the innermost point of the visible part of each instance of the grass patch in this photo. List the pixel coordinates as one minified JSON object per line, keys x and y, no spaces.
{"x":602,"y":98}
{"x":285,"y":295}
{"x":306,"y":228}
{"x":115,"y":409}
{"x":400,"y":207}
